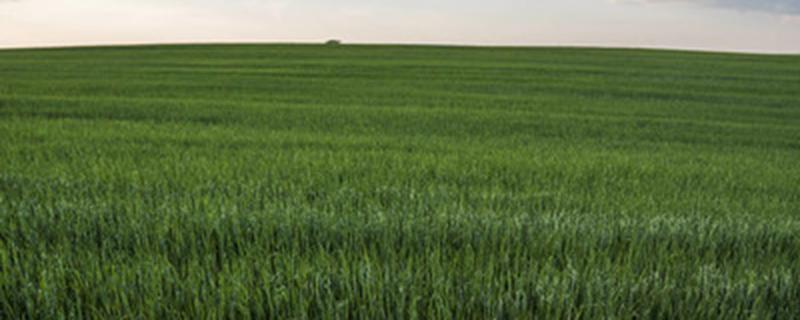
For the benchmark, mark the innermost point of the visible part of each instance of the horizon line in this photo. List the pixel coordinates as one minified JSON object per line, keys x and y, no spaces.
{"x":395,"y":44}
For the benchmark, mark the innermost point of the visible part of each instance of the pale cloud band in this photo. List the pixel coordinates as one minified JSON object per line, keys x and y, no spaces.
{"x":752,"y":25}
{"x":782,"y":7}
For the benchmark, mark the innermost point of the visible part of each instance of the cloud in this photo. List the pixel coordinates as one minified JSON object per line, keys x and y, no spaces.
{"x":783,"y":7}
{"x":790,"y":19}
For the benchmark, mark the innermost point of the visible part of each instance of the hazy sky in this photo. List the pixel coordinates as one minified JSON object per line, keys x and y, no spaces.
{"x":746,"y":25}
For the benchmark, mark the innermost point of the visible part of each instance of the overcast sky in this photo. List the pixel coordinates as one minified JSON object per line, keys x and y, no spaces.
{"x":729,"y":25}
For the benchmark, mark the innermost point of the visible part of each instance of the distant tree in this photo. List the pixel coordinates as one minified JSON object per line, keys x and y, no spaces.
{"x":333,"y":42}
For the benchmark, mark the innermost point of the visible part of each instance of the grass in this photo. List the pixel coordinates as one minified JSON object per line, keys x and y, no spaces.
{"x":301,"y":181}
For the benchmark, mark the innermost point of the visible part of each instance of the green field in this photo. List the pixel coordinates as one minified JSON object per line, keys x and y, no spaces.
{"x":334,"y":182}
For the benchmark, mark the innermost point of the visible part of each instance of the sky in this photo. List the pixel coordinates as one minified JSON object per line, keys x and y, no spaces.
{"x":771,"y":26}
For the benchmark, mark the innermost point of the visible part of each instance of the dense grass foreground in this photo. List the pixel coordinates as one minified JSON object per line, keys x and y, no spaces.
{"x":398,"y":182}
